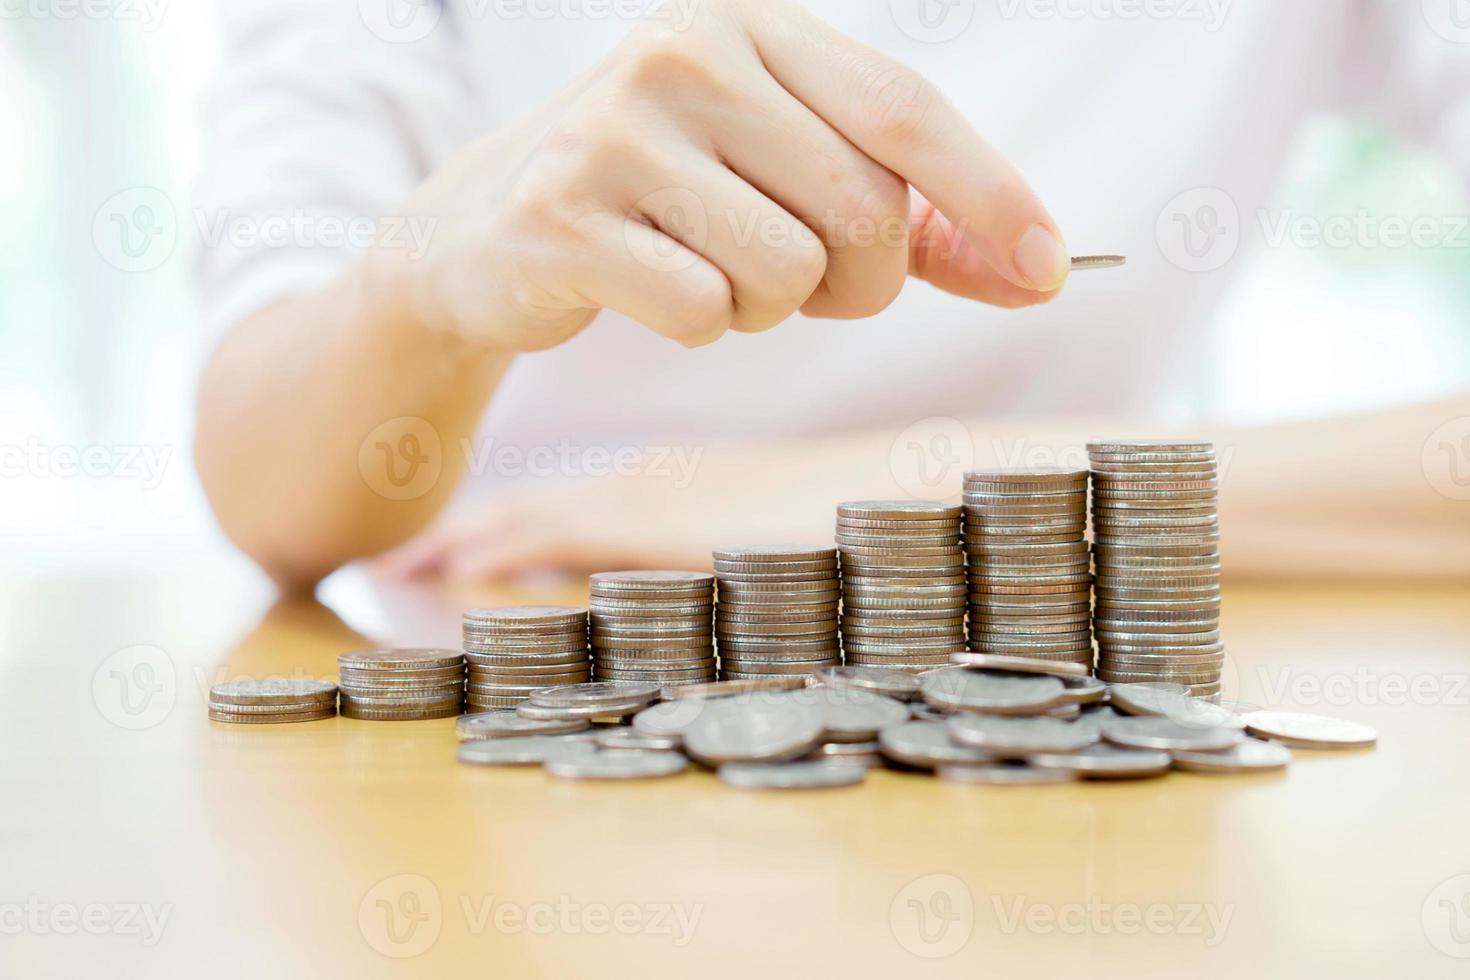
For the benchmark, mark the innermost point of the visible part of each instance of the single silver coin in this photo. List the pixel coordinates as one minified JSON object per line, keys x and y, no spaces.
{"x":595,"y":693}
{"x":964,"y":689}
{"x":508,"y":724}
{"x":1304,"y":731}
{"x":1019,"y":665}
{"x":893,"y":683}
{"x":852,"y":715}
{"x":542,"y":712}
{"x":527,"y":750}
{"x":1104,"y":761}
{"x":927,"y":745}
{"x":1157,"y":732}
{"x":811,"y":774}
{"x":1083,"y":690}
{"x":1144,"y":701}
{"x":854,"y":753}
{"x":669,"y":719}
{"x":1011,"y":738}
{"x":630,"y":738}
{"x":630,"y":764}
{"x":771,"y":728}
{"x":1003,"y":774}
{"x":1250,"y":755}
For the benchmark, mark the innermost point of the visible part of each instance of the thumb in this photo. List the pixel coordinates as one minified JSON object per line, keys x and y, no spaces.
{"x":941,"y":254}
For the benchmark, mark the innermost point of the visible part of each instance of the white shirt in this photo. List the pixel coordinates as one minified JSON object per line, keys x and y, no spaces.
{"x":1111,"y":113}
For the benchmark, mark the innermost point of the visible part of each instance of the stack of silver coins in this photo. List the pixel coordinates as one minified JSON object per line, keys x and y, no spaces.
{"x":514,"y":650}
{"x":1030,"y":572}
{"x":777,"y":611}
{"x":903,"y":583}
{"x":401,"y":685}
{"x":272,"y":702}
{"x":654,"y":627}
{"x":1157,"y":551}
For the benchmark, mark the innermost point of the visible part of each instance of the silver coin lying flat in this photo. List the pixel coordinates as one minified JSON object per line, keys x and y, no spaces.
{"x":669,"y":719}
{"x":792,"y":775}
{"x":526,"y":750}
{"x":770,"y":729}
{"x":630,"y":764}
{"x":1145,"y":700}
{"x":963,"y":689}
{"x":1304,"y":731}
{"x":1007,"y":737}
{"x":851,"y":714}
{"x":508,"y":724}
{"x":1001,"y":774}
{"x":864,"y":754}
{"x":1251,"y":755}
{"x":1083,"y":690}
{"x":543,"y":712}
{"x":894,"y":683}
{"x":1103,"y":761}
{"x":594,"y":693}
{"x":631,"y":739}
{"x":1019,"y":665}
{"x":1154,"y":732}
{"x":927,"y":745}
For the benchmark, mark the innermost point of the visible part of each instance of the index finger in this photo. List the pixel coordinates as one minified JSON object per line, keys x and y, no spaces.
{"x":897,"y":117}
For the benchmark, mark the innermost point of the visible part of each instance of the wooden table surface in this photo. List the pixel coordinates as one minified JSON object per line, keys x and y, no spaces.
{"x":140,"y":839}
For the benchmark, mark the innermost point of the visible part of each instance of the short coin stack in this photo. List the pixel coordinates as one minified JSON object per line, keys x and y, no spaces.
{"x":1030,"y":573}
{"x":515,"y":650}
{"x":1156,"y":547}
{"x":272,"y":702}
{"x":654,"y":627}
{"x":777,"y":611}
{"x":401,"y":685}
{"x":903,"y":583}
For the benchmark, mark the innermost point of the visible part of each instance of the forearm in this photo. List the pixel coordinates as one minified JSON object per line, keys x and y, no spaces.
{"x":297,"y":431}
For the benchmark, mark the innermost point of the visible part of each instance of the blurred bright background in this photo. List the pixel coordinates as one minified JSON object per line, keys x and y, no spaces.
{"x":95,"y":359}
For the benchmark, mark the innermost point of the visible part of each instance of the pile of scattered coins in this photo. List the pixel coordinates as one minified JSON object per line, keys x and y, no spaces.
{"x":515,"y":650}
{"x":1156,"y":544}
{"x":655,"y":627}
{"x":401,"y":685}
{"x":903,"y":583}
{"x":1030,"y":573}
{"x":777,"y":611}
{"x":990,"y":720}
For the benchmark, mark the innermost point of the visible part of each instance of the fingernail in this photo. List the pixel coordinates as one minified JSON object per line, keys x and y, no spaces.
{"x":1041,"y":259}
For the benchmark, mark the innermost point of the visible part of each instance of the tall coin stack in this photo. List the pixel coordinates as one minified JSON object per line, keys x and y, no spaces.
{"x":401,"y":685}
{"x":1030,"y":572}
{"x":777,"y":611}
{"x":903,"y":583}
{"x":514,"y":650}
{"x":1157,"y":550}
{"x":654,"y":627}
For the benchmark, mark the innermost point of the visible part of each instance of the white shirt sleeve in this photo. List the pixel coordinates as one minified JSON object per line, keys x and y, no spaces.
{"x":320,"y":124}
{"x":1409,"y":68}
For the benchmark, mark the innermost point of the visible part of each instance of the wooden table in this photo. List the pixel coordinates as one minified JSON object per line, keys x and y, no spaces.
{"x":328,"y":848}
